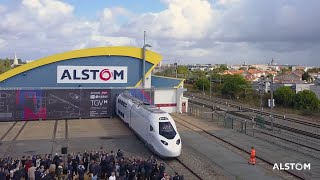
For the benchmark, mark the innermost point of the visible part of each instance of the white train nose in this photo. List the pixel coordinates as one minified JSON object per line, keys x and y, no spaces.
{"x":171,"y":150}
{"x":174,"y":152}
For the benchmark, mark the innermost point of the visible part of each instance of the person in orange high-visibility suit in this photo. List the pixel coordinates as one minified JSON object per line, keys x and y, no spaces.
{"x":252,"y":156}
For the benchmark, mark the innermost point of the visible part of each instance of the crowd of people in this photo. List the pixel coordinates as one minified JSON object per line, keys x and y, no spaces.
{"x":92,"y":165}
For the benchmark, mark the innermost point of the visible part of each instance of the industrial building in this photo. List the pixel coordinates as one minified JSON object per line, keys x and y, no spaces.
{"x":84,"y":84}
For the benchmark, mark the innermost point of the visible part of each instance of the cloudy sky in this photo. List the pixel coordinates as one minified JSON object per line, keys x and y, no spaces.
{"x":183,"y":31}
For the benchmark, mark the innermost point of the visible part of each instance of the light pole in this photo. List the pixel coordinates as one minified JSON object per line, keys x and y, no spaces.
{"x":144,"y":59}
{"x":210,"y":84}
{"x":203,"y":86}
{"x":271,"y":103}
{"x":176,"y":69}
{"x":261,"y":89}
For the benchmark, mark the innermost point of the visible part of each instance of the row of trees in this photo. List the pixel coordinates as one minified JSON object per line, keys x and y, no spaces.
{"x":313,"y":70}
{"x":230,"y":86}
{"x":303,"y":100}
{"x":236,"y":86}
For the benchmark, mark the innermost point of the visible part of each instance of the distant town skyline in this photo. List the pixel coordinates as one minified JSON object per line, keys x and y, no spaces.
{"x":187,"y":31}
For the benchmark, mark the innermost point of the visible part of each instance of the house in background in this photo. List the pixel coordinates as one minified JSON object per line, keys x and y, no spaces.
{"x":288,"y":77}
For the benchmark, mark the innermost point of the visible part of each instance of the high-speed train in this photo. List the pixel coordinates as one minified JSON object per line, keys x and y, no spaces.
{"x":154,"y":126}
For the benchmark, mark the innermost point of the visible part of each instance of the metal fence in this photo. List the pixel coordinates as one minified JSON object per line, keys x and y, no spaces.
{"x":222,"y":118}
{"x":259,"y":129}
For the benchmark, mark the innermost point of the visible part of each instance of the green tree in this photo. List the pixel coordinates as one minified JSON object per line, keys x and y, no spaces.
{"x":233,"y":85}
{"x":216,"y":78}
{"x":306,"y":77}
{"x":313,"y":70}
{"x":4,"y":65}
{"x":269,"y":76}
{"x":183,"y":71}
{"x":306,"y":100}
{"x":169,"y":72}
{"x":223,"y":67}
{"x":284,"y":96}
{"x":199,"y":74}
{"x":202,"y":83}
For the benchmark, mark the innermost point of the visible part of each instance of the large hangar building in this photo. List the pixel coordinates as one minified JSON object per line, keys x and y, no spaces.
{"x":84,"y":84}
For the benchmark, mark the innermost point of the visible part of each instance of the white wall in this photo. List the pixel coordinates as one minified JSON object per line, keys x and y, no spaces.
{"x":166,"y":96}
{"x":301,"y":87}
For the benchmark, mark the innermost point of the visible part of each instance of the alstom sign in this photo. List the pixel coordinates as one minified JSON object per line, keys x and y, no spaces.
{"x":92,"y":74}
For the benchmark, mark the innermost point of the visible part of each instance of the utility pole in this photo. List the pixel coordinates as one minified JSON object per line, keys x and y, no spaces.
{"x":144,"y":59}
{"x":271,"y":103}
{"x":144,"y":38}
{"x":203,"y":86}
{"x":176,"y":72}
{"x":261,"y":93}
{"x":176,"y":68}
{"x":210,"y":84}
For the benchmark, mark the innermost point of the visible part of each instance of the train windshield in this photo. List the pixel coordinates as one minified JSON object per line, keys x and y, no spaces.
{"x":166,"y":130}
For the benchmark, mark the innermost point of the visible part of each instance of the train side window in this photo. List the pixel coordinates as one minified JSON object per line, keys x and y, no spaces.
{"x":151,"y":128}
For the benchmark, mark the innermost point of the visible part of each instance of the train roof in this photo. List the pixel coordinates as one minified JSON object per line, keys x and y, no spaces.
{"x":147,"y":106}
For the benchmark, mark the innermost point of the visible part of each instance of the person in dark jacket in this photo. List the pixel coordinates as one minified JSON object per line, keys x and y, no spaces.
{"x":104,"y":166}
{"x":70,"y":171}
{"x":59,"y":171}
{"x":74,"y":166}
{"x":162,"y":169}
{"x":50,"y":174}
{"x":96,"y":170}
{"x":81,"y":171}
{"x":2,"y":174}
{"x":148,"y":167}
{"x":177,"y":177}
{"x":17,"y":175}
{"x":38,"y":173}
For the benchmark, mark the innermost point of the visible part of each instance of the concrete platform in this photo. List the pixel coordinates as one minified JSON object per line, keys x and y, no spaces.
{"x":4,"y":127}
{"x":37,"y":137}
{"x":97,"y":128}
{"x":61,"y":130}
{"x":238,"y":166}
{"x":37,"y":130}
{"x":14,"y":131}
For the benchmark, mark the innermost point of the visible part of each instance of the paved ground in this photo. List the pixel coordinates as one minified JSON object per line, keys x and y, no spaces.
{"x":38,"y":137}
{"x":43,"y":137}
{"x":236,"y":165}
{"x":206,"y":157}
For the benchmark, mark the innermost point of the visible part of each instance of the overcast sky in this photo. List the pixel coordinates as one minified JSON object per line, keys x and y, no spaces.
{"x":185,"y":31}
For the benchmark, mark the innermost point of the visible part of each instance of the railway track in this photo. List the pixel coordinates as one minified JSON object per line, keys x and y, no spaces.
{"x":177,"y":160}
{"x":232,"y":145}
{"x":295,"y":130}
{"x":290,"y":119}
{"x":291,"y":141}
